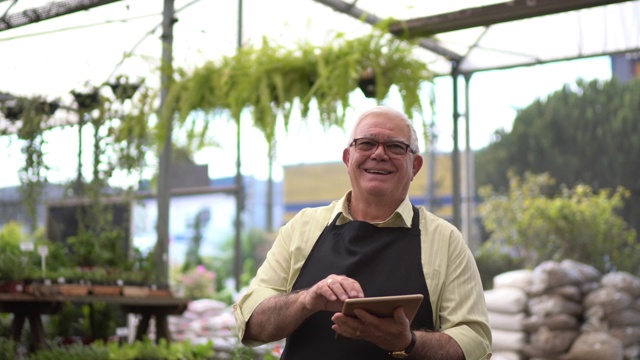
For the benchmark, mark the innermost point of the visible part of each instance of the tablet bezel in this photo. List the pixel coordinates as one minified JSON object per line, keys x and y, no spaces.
{"x":383,"y":306}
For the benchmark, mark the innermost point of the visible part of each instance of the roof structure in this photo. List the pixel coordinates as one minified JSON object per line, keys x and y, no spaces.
{"x":488,"y":35}
{"x":99,"y":39}
{"x":477,"y":35}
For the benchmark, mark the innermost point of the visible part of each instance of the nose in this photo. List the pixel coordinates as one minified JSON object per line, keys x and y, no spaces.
{"x":380,"y":152}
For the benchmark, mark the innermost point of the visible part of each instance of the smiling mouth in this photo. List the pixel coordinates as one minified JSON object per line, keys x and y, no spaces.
{"x":377,"y":172}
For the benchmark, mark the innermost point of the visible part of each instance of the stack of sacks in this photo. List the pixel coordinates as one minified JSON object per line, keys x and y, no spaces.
{"x":205,"y":320}
{"x":595,"y":346}
{"x":614,"y":308}
{"x":507,"y":304}
{"x":211,"y":320}
{"x":555,"y":307}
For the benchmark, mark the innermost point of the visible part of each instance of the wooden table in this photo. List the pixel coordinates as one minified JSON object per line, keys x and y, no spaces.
{"x":25,"y":306}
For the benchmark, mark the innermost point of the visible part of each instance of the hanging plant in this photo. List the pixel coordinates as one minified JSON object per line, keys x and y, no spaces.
{"x":269,"y":80}
{"x":131,"y":136}
{"x":123,"y":88}
{"x":12,"y":109}
{"x":367,"y":83}
{"x":87,"y":101}
{"x":33,"y":174}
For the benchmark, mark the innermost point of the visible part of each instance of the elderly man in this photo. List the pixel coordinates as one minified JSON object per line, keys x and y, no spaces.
{"x":371,"y":242}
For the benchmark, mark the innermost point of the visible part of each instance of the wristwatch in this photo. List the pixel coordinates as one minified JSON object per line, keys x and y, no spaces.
{"x":407,"y":351}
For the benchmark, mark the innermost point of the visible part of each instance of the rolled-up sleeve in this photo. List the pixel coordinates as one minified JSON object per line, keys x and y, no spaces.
{"x":270,"y":280}
{"x":456,"y":290}
{"x":282,"y":265}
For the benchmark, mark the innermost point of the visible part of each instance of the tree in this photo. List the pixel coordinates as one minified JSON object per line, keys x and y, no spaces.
{"x":577,"y":223}
{"x":589,"y":134}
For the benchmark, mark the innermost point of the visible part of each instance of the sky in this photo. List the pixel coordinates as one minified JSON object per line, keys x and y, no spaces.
{"x":55,"y":61}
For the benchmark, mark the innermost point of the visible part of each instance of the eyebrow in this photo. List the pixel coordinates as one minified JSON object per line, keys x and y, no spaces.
{"x":377,"y":138}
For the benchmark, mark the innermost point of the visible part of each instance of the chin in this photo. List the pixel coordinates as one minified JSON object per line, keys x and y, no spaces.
{"x":378,"y":191}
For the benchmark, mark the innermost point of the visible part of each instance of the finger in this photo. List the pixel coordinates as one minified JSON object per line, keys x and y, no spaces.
{"x":358,"y":334}
{"x":338,"y":289}
{"x":400,"y":316}
{"x":324,"y":288}
{"x":350,"y":287}
{"x":343,"y":287}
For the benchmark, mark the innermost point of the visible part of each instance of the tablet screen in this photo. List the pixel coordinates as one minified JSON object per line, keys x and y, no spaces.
{"x":383,"y":306}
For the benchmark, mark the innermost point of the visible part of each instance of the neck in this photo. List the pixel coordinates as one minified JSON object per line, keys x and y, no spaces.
{"x":370,"y":211}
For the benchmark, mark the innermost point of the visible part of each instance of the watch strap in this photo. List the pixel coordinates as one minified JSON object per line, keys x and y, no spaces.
{"x":407,"y":351}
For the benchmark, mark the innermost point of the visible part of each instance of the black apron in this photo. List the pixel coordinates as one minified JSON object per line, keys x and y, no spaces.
{"x":384,"y":260}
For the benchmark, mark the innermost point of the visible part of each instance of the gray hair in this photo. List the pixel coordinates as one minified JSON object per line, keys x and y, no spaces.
{"x":413,"y":143}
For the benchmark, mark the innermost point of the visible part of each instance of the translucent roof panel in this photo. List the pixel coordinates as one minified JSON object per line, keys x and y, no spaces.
{"x":123,"y":37}
{"x":587,"y":32}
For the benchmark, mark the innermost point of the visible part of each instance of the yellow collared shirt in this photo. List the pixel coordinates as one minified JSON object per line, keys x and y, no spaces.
{"x":452,"y":277}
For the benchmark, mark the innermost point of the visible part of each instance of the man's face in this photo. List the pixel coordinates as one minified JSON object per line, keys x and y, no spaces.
{"x":379,"y":173}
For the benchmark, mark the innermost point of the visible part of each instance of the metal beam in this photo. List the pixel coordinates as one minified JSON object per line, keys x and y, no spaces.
{"x":353,"y":11}
{"x":49,"y":11}
{"x":489,"y":15}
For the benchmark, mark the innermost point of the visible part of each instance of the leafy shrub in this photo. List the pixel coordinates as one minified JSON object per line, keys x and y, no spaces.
{"x":576,"y":223}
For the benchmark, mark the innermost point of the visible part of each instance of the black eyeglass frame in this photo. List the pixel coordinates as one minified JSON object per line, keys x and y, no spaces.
{"x":406,"y":146}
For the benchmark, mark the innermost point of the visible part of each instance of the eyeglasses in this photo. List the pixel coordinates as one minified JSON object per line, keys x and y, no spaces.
{"x":367,"y":145}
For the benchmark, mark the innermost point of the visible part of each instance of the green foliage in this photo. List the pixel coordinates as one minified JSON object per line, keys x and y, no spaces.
{"x":271,"y":79}
{"x":8,"y":349}
{"x":12,"y":234}
{"x":147,"y":349}
{"x":100,"y":319}
{"x":197,"y":283}
{"x":67,"y":322}
{"x":255,"y":244}
{"x":533,"y":226}
{"x":492,"y":262}
{"x":583,"y":134}
{"x":71,"y":352}
{"x":13,"y":264}
{"x":34,"y":114}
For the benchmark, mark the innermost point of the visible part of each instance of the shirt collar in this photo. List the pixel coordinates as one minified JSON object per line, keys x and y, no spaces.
{"x":404,"y":212}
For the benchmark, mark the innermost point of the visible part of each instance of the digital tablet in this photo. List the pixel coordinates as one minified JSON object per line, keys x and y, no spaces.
{"x":383,"y":306}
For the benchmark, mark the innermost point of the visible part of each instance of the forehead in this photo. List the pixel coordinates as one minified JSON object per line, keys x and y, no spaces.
{"x":383,"y":125}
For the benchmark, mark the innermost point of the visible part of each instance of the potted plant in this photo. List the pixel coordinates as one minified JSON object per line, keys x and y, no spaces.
{"x":70,"y":352}
{"x":105,"y":282}
{"x":8,"y":349}
{"x":13,"y":109}
{"x":13,"y":269}
{"x":87,"y":101}
{"x":122,"y":88}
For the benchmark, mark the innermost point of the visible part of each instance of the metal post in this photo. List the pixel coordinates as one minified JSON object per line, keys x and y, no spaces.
{"x":164,"y":188}
{"x":237,"y":263}
{"x":455,"y":155}
{"x":468,"y":169}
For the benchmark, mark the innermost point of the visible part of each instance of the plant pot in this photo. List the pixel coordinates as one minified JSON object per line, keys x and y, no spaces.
{"x":87,"y":101}
{"x":106,"y":290}
{"x":11,"y":286}
{"x":123,"y":91}
{"x":135,"y":291}
{"x":73,"y":289}
{"x":13,"y":112}
{"x":160,"y":291}
{"x":47,"y":108}
{"x":367,"y":83}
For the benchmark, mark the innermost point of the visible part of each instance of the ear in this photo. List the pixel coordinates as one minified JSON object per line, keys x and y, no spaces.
{"x":345,"y":156}
{"x":417,"y":165}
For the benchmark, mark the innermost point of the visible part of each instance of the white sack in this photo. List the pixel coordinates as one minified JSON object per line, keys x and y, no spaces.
{"x":506,"y":300}
{"x":520,"y":279}
{"x":506,"y":340}
{"x":506,"y":321}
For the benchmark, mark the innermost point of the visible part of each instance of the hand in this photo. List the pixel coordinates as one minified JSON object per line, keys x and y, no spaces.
{"x":387,"y":333}
{"x":331,"y":292}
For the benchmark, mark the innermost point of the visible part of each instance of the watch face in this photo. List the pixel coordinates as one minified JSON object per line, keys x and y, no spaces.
{"x":399,"y":354}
